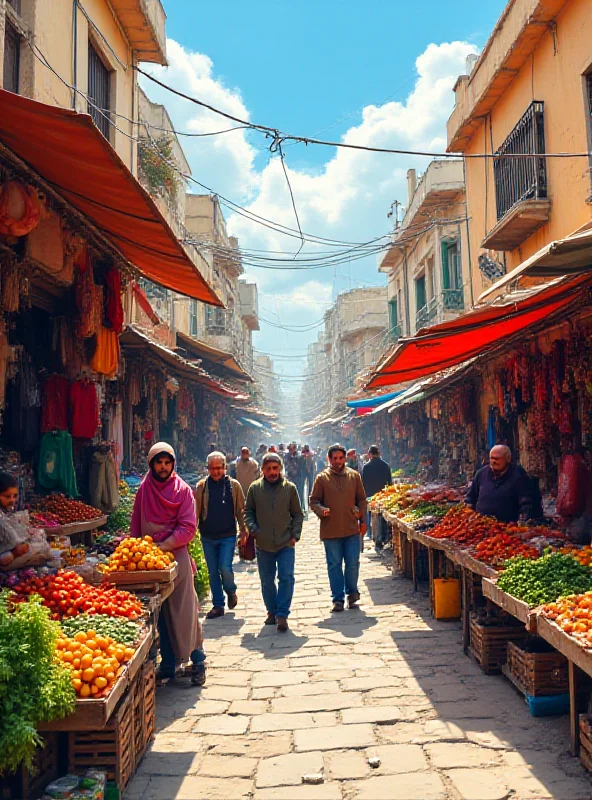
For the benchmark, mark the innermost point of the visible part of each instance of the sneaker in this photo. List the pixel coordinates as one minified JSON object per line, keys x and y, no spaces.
{"x":270,"y":619}
{"x":215,"y":613}
{"x":353,"y":599}
{"x":232,"y":600}
{"x":198,"y":674}
{"x":282,"y":624}
{"x":337,"y":607}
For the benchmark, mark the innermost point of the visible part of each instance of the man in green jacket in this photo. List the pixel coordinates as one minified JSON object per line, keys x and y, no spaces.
{"x":274,"y":517}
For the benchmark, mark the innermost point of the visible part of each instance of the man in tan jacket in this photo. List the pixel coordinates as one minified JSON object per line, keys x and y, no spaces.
{"x":220,"y":505}
{"x":339,"y":500}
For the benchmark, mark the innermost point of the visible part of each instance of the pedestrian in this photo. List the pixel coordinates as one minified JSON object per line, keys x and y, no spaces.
{"x":274,"y":517}
{"x":164,"y":508}
{"x":502,"y":489}
{"x":220,"y":504}
{"x":339,"y":500}
{"x":261,"y":450}
{"x":376,"y":474}
{"x":247,"y":469}
{"x":310,"y":470}
{"x":294,"y":468}
{"x":352,"y":460}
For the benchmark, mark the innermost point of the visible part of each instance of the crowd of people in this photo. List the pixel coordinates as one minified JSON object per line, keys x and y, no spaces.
{"x":259,"y":501}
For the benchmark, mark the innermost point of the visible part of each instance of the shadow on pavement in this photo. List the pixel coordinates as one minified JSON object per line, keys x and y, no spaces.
{"x":273,"y":644}
{"x":350,"y":623}
{"x":222,"y":627}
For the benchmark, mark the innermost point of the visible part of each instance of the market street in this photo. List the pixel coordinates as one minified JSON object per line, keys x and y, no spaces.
{"x":385,"y":682}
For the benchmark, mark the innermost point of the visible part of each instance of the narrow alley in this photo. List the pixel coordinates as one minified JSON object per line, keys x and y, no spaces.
{"x":374,"y":703}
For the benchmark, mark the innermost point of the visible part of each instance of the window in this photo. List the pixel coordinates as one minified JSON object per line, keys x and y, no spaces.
{"x":99,"y":91}
{"x":420,"y":293}
{"x":12,"y":58}
{"x":193,"y":318}
{"x":518,"y":179}
{"x":215,"y":321}
{"x":394,"y":329}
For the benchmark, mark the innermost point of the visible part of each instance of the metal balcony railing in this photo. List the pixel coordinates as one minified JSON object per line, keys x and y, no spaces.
{"x":518,"y":179}
{"x":426,"y":314}
{"x":453,"y":299}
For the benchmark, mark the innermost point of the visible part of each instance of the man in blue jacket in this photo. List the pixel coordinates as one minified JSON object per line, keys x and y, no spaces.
{"x":501,"y":490}
{"x":376,"y":474}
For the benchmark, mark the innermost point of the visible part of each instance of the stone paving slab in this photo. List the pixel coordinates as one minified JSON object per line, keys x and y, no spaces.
{"x":385,"y":682}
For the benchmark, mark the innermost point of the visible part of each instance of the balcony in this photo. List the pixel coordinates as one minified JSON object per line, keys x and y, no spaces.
{"x":395,"y":333}
{"x":249,"y":305}
{"x":368,"y":320}
{"x":143,"y":22}
{"x":453,"y":299}
{"x":426,"y":314}
{"x":520,"y":183}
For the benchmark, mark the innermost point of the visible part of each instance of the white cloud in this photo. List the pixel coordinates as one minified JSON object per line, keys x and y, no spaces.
{"x":347,"y":199}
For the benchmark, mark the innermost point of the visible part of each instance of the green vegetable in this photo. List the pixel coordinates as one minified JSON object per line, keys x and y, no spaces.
{"x":201,"y":577}
{"x":34,"y":686}
{"x":121,"y":518}
{"x":546,"y":579}
{"x":124,"y":631}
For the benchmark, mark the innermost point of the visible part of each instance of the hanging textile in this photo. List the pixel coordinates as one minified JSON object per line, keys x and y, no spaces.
{"x":106,"y":357}
{"x":84,"y":409}
{"x":55,"y":470}
{"x":113,"y":305}
{"x":54,"y":416}
{"x":103,"y":483}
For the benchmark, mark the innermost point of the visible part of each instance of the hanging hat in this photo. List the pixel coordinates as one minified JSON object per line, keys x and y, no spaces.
{"x":158,"y":448}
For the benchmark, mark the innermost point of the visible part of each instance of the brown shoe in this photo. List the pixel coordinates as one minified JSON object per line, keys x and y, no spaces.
{"x":215,"y":613}
{"x":337,"y":607}
{"x":270,"y":619}
{"x":232,"y":601}
{"x":353,"y":599}
{"x":282,"y":624}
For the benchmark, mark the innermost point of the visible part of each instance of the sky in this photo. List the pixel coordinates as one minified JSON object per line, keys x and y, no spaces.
{"x":376,"y":73}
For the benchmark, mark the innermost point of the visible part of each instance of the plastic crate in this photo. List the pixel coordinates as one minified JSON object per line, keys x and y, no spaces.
{"x":549,"y":706}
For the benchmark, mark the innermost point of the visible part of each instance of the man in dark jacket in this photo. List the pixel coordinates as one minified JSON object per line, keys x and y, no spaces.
{"x":502,"y":489}
{"x":274,"y":517}
{"x":376,"y":474}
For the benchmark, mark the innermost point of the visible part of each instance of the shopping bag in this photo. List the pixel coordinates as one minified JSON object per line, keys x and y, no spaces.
{"x":246,"y":547}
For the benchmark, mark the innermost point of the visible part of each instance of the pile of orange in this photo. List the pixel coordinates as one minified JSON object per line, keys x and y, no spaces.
{"x":95,"y":661}
{"x":581,"y":554}
{"x":138,"y":554}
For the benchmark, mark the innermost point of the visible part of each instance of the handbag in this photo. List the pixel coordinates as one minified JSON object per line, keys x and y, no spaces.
{"x":246,"y":548}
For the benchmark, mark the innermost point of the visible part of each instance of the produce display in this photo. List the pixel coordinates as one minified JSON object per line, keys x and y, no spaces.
{"x":581,"y":554}
{"x":422,"y":508}
{"x":466,"y":527}
{"x":544,"y":580}
{"x":392,"y":498}
{"x":201,"y":577}
{"x":138,"y":554}
{"x":40,"y":519}
{"x":66,"y":595}
{"x":120,"y":629}
{"x":573,"y":614}
{"x":34,"y":686}
{"x":496,"y":550}
{"x":95,"y":662}
{"x":67,"y":511}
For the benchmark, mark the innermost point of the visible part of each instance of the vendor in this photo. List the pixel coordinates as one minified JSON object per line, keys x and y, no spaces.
{"x":501,"y":490}
{"x":164,"y":508}
{"x":8,"y":492}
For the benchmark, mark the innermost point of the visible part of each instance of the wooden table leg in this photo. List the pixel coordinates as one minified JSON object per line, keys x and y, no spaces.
{"x":414,"y":564}
{"x":431,"y":569}
{"x":466,"y":611}
{"x":574,"y":716}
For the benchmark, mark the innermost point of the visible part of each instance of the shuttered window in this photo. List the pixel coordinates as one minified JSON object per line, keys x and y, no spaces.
{"x":12,"y":57}
{"x":99,"y":91}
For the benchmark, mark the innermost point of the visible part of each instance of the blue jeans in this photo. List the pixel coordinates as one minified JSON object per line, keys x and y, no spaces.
{"x":277,"y":599}
{"x":343,"y":565}
{"x":168,"y":664}
{"x":219,"y":554}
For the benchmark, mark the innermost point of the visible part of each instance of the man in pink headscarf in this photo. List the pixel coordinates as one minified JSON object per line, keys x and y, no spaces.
{"x":164,"y":508}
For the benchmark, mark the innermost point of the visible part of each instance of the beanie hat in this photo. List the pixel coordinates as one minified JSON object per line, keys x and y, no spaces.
{"x":158,"y":448}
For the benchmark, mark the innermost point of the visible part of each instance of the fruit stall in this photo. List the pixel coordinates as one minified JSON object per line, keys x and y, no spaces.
{"x":77,"y":704}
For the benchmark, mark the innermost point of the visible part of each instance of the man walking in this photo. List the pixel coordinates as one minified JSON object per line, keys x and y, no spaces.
{"x":294,"y":466}
{"x":247,"y":470}
{"x":274,"y":517}
{"x":376,"y":474}
{"x":309,"y":469}
{"x":219,"y":503}
{"x":339,"y":500}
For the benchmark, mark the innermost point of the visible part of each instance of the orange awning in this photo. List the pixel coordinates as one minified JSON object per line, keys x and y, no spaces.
{"x":67,"y":150}
{"x":454,"y":342}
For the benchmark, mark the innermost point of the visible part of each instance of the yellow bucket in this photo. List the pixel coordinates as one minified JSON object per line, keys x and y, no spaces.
{"x":446,"y":598}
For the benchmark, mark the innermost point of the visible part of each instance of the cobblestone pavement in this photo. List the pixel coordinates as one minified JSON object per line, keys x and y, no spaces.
{"x":385,"y":682}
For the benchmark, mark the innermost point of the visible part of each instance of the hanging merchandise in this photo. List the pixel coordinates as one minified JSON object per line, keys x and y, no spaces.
{"x":113,"y":305}
{"x":89,"y":298}
{"x":54,"y":415}
{"x":106,"y":358}
{"x":20,"y":208}
{"x":84,"y":409}
{"x":56,"y":465}
{"x":103,"y":483}
{"x":11,"y":283}
{"x":571,"y":494}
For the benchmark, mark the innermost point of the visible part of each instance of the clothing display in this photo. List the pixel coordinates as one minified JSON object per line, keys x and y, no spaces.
{"x":103,"y":482}
{"x":84,"y":409}
{"x":106,"y":358}
{"x":55,"y":470}
{"x":54,"y":416}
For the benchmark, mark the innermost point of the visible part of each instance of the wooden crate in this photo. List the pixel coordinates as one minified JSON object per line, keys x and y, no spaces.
{"x":586,"y":741}
{"x":144,"y":705}
{"x":25,"y":785}
{"x":537,"y":668}
{"x":489,"y":642}
{"x":110,"y":749}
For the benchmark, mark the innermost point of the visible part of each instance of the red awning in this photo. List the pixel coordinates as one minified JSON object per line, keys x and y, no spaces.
{"x":67,"y":150}
{"x":454,"y":342}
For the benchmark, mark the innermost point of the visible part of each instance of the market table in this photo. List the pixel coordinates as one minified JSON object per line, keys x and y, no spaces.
{"x":76,"y":528}
{"x":580,"y":673}
{"x":516,"y":608}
